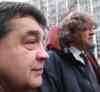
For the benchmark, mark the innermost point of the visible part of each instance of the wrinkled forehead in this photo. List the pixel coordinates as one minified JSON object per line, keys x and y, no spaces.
{"x":26,"y":25}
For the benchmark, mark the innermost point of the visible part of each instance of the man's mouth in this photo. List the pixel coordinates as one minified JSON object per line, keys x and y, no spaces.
{"x":38,"y":71}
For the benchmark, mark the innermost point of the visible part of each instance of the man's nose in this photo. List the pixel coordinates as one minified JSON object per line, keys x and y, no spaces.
{"x":42,"y":54}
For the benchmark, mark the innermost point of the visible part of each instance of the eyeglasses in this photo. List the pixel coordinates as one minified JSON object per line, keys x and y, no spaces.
{"x":89,"y":28}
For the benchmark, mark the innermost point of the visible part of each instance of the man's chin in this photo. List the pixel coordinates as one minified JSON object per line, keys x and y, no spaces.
{"x":36,"y":83}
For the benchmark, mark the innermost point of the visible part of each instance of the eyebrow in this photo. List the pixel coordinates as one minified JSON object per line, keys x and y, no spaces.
{"x":36,"y":34}
{"x":33,"y":33}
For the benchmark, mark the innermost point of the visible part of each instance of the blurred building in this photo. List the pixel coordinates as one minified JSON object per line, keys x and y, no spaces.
{"x":16,"y":0}
{"x":53,"y":9}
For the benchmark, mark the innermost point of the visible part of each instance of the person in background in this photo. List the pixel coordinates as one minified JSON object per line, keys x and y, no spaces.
{"x":74,"y":69}
{"x":22,"y":47}
{"x":53,"y":38}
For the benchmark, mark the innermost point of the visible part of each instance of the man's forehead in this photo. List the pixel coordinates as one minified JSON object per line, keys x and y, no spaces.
{"x":25,"y":23}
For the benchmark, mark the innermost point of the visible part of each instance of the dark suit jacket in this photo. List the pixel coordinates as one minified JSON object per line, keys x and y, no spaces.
{"x":63,"y":73}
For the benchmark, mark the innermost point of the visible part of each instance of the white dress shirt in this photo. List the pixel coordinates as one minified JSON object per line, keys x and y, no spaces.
{"x":76,"y":53}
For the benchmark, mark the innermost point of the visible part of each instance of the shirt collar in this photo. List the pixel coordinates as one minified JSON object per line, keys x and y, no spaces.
{"x":76,"y":53}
